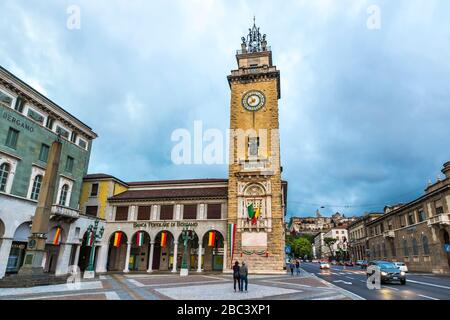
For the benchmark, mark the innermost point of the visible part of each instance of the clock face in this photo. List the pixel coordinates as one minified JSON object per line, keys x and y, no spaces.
{"x":253,"y":100}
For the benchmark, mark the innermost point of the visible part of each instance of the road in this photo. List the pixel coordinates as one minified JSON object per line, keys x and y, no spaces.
{"x":353,"y":279}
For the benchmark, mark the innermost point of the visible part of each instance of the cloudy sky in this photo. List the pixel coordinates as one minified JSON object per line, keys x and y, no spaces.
{"x":364,"y":112}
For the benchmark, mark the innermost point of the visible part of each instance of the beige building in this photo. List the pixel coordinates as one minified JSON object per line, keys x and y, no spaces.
{"x":358,"y":238}
{"x":417,"y":232}
{"x":322,"y":251}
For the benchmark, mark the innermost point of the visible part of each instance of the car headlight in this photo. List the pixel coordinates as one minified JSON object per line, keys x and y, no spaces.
{"x":384,"y":273}
{"x":402,"y":273}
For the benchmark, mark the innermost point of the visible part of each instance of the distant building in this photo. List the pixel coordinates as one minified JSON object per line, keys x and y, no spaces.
{"x":358,"y":237}
{"x":322,"y":251}
{"x":313,"y":225}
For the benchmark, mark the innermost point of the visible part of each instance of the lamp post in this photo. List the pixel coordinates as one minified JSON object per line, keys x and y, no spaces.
{"x":93,"y":236}
{"x":186,"y":235}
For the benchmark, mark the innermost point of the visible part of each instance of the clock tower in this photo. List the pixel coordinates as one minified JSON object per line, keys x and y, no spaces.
{"x":255,"y":190}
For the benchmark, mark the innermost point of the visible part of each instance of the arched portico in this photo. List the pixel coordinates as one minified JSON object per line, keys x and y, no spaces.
{"x":192,"y":252}
{"x":55,"y":237}
{"x":117,"y":251}
{"x":140,"y":251}
{"x":213,"y":256}
{"x":164,"y":249}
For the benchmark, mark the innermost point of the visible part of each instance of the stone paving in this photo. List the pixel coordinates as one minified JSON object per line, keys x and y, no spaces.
{"x":194,"y":287}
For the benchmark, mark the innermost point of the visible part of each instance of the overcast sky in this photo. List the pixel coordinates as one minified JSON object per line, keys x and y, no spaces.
{"x":364,"y":112}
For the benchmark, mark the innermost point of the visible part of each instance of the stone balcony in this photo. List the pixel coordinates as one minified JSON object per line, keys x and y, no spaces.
{"x":389,"y":234}
{"x":441,"y":219}
{"x":61,"y":212}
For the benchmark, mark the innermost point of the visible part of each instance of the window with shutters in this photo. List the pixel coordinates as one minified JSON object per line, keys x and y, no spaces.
{"x":91,"y":211}
{"x":43,"y":154}
{"x":190,"y":212}
{"x":37,"y":182}
{"x":20,"y":103}
{"x":12,"y":138}
{"x":144,"y":213}
{"x":122,"y":213}
{"x":50,"y":122}
{"x":439,"y":207}
{"x":214,"y":211}
{"x":166,"y":212}
{"x":4,"y":173}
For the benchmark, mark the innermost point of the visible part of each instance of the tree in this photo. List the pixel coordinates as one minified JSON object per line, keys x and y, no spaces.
{"x":302,"y":247}
{"x":329,"y":242}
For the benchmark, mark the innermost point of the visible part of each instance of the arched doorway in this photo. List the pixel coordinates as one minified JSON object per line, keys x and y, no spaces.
{"x":163,"y":252}
{"x":213,"y":244}
{"x":139,"y":253}
{"x":18,"y":247}
{"x":117,"y":252}
{"x":55,"y":237}
{"x":192,"y":252}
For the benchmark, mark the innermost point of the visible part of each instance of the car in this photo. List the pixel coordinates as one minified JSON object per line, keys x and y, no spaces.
{"x":402,"y":266}
{"x":388,"y":272}
{"x":364,"y":264}
{"x":324,"y":265}
{"x":359,"y":262}
{"x":334,"y":262}
{"x":348,"y":263}
{"x":315,"y":261}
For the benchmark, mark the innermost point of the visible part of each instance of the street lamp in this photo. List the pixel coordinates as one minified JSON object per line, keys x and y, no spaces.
{"x":93,"y":236}
{"x":186,"y":235}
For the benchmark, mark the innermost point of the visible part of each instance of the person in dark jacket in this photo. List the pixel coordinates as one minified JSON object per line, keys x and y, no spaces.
{"x":243,"y":271}
{"x":297,"y":267}
{"x":236,"y":276}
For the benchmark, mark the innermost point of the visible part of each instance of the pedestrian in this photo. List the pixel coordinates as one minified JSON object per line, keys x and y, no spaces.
{"x":292,"y":266}
{"x":297,"y":267}
{"x":236,"y":276}
{"x":243,"y":272}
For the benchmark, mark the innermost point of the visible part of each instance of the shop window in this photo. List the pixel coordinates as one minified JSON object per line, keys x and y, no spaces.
{"x":166,"y":212}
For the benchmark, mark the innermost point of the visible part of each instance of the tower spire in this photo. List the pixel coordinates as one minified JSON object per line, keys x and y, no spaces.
{"x":255,"y":41}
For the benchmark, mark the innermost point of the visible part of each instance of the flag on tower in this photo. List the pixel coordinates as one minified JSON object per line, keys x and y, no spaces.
{"x":250,"y":211}
{"x":140,"y":239}
{"x":57,"y":237}
{"x":163,"y":239}
{"x":117,"y":239}
{"x":211,"y":239}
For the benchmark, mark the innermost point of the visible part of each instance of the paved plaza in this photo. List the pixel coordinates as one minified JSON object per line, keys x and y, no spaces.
{"x":198,"y":287}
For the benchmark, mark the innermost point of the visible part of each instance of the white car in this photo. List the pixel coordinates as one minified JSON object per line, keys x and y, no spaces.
{"x":402,"y":266}
{"x":324,"y":265}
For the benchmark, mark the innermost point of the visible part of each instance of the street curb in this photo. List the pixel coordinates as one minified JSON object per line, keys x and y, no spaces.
{"x":345,"y":292}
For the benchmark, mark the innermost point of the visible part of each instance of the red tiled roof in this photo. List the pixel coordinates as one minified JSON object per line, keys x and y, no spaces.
{"x":219,"y":192}
{"x":148,"y":183}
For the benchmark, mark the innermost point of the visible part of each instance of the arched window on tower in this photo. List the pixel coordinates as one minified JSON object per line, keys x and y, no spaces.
{"x":4,"y":173}
{"x":36,"y":187}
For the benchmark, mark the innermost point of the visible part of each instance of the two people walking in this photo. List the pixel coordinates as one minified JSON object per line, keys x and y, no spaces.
{"x":294,"y":264}
{"x":240,"y":275}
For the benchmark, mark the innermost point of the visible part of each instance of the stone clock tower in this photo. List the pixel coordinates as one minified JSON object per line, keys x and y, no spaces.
{"x":255,"y":189}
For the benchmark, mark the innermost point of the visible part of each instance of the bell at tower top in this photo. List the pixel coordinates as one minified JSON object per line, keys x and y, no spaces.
{"x":254,"y":50}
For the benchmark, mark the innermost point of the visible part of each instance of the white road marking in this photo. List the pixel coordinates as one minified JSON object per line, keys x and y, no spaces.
{"x":339,"y":297}
{"x":287,"y":283}
{"x":427,"y":297}
{"x":350,"y":278}
{"x":112,"y":295}
{"x":136,"y":283}
{"x":341,"y":281}
{"x":428,"y":284}
{"x":390,"y":288}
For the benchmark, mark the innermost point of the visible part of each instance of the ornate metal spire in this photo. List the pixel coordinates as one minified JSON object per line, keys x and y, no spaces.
{"x":255,"y":42}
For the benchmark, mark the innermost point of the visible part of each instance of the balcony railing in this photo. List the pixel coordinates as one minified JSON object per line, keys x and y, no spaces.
{"x":442,"y":219}
{"x":255,"y":70}
{"x":266,"y":49}
{"x":389,"y":234}
{"x":65,"y":212}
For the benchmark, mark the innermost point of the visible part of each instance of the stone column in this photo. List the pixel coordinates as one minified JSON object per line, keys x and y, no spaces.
{"x":225,"y":252}
{"x":102,"y":259}
{"x":150,"y":260}
{"x":5,"y":249}
{"x":175,"y":256}
{"x":127,"y":259}
{"x":199,"y":268}
{"x":77,"y":255}
{"x":62,"y":265}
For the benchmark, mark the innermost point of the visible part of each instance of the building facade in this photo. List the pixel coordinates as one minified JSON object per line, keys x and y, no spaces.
{"x":416,"y":233}
{"x":29,"y":124}
{"x":320,"y":248}
{"x":358,"y":247}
